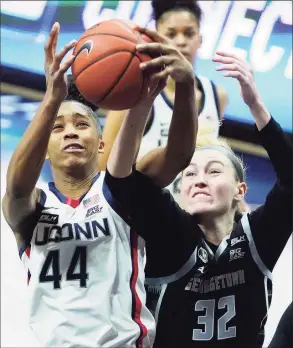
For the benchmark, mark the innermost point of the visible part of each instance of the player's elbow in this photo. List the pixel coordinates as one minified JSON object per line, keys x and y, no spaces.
{"x":180,"y":156}
{"x":6,"y":203}
{"x":174,"y":164}
{"x":3,"y":205}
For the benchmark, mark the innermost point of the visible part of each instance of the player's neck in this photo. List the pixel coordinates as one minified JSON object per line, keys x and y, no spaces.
{"x":73,"y":186}
{"x":217,"y":228}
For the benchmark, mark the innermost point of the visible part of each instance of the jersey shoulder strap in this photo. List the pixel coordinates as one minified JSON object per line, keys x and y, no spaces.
{"x":211,"y":99}
{"x":254,"y":253}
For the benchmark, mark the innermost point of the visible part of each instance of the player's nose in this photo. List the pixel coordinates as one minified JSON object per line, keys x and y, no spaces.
{"x":70,"y":135}
{"x":200,"y":184}
{"x":180,"y":41}
{"x":70,"y":131}
{"x":200,"y":181}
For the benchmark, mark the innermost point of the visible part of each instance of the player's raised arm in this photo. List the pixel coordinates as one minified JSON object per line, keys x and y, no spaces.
{"x":126,"y":145}
{"x":26,"y":163}
{"x":113,"y":123}
{"x":239,"y":69}
{"x":273,"y":220}
{"x":162,"y":165}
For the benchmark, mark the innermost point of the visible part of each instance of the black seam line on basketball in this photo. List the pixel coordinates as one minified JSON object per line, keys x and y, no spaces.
{"x":117,"y":80}
{"x":100,"y":58}
{"x":107,"y":34}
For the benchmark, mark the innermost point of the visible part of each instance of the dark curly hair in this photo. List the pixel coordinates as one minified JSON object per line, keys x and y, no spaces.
{"x":74,"y":95}
{"x":162,"y":6}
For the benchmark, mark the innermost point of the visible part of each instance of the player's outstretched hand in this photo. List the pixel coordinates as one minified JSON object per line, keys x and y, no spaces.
{"x":239,"y":69}
{"x":54,"y":67}
{"x":169,"y":59}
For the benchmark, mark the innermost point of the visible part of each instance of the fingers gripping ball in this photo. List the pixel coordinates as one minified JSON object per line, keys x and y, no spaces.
{"x":106,"y":69}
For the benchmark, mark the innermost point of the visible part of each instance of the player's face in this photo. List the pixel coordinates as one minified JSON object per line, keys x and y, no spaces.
{"x":74,"y":141}
{"x":182,"y":28}
{"x":209,"y":184}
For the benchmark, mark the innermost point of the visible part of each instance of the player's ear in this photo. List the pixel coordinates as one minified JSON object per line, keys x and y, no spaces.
{"x":101,"y":146}
{"x":240,"y":191}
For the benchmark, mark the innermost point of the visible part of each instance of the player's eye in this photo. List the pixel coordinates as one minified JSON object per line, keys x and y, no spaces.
{"x":190,"y":173}
{"x":57,"y":126}
{"x":82,"y":124}
{"x":171,"y":34}
{"x":214,"y":171}
{"x":189,"y":33}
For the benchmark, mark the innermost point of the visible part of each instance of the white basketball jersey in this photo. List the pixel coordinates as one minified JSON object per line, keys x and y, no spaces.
{"x":86,"y":274}
{"x":156,"y":133}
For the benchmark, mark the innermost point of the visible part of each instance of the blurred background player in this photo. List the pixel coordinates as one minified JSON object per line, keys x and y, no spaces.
{"x":179,"y":21}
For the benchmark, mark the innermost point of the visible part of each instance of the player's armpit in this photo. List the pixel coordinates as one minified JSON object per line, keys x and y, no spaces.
{"x":17,"y":210}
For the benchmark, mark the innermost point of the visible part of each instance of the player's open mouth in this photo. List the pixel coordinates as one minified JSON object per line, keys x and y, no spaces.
{"x":201,"y":194}
{"x":73,"y":148}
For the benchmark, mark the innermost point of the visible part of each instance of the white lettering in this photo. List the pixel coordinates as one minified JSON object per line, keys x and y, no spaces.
{"x":216,"y":283}
{"x":238,"y":25}
{"x":124,"y":10}
{"x":196,"y":281}
{"x":143,"y":13}
{"x":188,"y":286}
{"x":91,"y":13}
{"x":31,"y":10}
{"x":260,"y":59}
{"x":214,"y":15}
{"x":241,"y":277}
{"x":235,"y":278}
{"x":288,"y":70}
{"x":229,"y":279}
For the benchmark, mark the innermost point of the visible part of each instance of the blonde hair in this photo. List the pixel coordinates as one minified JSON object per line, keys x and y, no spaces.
{"x":206,"y":134}
{"x":206,"y":137}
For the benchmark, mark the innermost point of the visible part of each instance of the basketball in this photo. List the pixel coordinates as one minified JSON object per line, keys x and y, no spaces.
{"x":106,"y":68}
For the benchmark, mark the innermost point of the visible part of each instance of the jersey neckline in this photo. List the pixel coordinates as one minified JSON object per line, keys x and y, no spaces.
{"x":74,"y":203}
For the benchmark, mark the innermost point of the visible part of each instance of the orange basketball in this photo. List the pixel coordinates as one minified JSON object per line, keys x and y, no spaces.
{"x":106,"y":69}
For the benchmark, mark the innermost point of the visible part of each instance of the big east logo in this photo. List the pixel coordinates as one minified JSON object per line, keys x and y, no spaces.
{"x":94,"y":210}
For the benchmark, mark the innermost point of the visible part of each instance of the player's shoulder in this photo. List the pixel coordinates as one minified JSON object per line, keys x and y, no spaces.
{"x":208,"y":88}
{"x":208,"y":83}
{"x":241,"y":224}
{"x":204,"y":80}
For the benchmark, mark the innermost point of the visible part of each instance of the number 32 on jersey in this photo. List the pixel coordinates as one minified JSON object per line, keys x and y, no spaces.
{"x":207,"y":320}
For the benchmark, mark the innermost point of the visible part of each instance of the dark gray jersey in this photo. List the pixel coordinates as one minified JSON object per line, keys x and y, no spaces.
{"x":222,"y":299}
